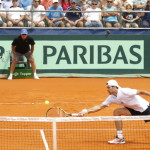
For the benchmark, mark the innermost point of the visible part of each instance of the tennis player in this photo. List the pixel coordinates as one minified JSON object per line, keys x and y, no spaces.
{"x":133,"y":105}
{"x":23,"y":45}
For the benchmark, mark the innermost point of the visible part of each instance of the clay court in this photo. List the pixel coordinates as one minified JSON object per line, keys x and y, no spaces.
{"x":25,"y":98}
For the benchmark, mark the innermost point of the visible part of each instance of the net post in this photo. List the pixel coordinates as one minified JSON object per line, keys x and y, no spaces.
{"x":54,"y":127}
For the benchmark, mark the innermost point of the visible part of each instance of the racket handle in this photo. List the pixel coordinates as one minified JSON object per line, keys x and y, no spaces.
{"x":75,"y":115}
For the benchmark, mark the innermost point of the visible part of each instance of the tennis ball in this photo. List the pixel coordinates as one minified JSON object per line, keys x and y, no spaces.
{"x":46,"y":102}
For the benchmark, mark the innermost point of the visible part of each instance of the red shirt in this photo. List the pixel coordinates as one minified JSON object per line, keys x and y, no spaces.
{"x":65,"y":4}
{"x":46,"y":3}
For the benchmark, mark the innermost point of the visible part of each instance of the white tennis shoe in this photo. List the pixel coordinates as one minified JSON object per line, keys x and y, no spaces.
{"x":117,"y":141}
{"x":36,"y":77}
{"x":10,"y":77}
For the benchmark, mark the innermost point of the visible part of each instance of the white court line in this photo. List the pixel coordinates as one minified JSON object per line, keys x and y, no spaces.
{"x":70,"y":129}
{"x":29,"y":103}
{"x":44,"y":140}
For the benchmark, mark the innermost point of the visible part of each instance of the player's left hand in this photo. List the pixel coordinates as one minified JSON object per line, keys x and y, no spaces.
{"x":83,"y":112}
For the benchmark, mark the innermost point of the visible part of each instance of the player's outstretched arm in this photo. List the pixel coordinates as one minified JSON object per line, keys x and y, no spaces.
{"x":142,"y":92}
{"x":91,"y":110}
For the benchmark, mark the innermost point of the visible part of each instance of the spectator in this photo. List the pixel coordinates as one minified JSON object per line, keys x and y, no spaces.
{"x":125,"y":2}
{"x":83,"y":4}
{"x":89,"y":3}
{"x":15,"y":18}
{"x":130,"y":18}
{"x":47,"y":3}
{"x":23,"y":45}
{"x":55,"y":18}
{"x":2,"y":16}
{"x":74,"y":18}
{"x":139,"y":5}
{"x":110,"y":18}
{"x":122,"y":3}
{"x":6,"y":4}
{"x":25,"y":3}
{"x":93,"y":19}
{"x":102,"y":4}
{"x":146,"y":17}
{"x":65,"y":4}
{"x":36,"y":19}
{"x":117,"y":3}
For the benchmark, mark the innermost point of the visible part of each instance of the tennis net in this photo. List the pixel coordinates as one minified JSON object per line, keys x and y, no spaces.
{"x":73,"y":133}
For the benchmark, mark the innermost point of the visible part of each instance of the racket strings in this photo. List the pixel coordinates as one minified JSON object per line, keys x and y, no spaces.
{"x":61,"y":113}
{"x":56,"y":112}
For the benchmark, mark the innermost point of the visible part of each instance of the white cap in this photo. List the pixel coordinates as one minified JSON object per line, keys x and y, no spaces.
{"x":113,"y":83}
{"x":55,"y":1}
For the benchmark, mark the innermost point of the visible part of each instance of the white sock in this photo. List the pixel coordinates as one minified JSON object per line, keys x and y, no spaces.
{"x":11,"y":74}
{"x":120,"y":134}
{"x":35,"y":73}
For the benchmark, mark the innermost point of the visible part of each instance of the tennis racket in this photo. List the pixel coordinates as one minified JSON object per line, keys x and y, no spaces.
{"x":58,"y":112}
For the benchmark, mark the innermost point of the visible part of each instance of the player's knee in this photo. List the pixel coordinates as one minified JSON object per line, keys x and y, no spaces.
{"x":9,"y":24}
{"x":31,"y":61}
{"x":20,"y":24}
{"x":14,"y":64}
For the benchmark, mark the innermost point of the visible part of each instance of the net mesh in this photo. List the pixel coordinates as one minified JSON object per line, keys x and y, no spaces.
{"x":72,"y":133}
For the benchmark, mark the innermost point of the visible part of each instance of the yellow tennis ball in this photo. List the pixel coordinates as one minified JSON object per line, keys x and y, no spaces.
{"x":46,"y":102}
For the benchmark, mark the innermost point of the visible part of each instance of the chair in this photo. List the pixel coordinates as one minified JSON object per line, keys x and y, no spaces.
{"x":21,"y":61}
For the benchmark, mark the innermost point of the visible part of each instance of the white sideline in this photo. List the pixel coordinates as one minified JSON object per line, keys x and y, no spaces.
{"x":44,"y":140}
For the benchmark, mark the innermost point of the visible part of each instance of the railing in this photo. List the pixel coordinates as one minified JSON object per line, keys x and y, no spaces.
{"x":119,"y":19}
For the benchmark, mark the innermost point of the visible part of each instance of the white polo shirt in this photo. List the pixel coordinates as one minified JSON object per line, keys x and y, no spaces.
{"x":37,"y":15}
{"x":127,"y":97}
{"x":93,"y":15}
{"x":17,"y":14}
{"x":2,"y":13}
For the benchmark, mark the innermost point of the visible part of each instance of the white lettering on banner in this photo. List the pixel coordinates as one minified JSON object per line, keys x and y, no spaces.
{"x":25,"y":74}
{"x":22,"y":74}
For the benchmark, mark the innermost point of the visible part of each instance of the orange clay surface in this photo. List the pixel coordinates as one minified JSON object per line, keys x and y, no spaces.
{"x":25,"y":98}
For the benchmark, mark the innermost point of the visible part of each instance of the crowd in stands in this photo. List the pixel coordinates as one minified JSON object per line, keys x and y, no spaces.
{"x":70,"y":13}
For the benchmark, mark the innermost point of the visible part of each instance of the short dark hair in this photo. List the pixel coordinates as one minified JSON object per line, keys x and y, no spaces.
{"x":38,"y":0}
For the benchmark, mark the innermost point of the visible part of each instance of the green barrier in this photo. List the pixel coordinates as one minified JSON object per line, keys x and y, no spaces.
{"x":85,"y":54}
{"x":22,"y":73}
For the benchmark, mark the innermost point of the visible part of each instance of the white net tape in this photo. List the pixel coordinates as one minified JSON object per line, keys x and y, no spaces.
{"x":74,"y":119}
